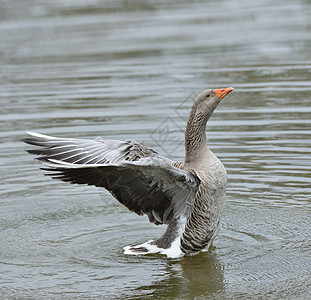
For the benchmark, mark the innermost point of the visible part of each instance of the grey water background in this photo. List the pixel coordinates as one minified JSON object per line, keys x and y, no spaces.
{"x":130,"y":70}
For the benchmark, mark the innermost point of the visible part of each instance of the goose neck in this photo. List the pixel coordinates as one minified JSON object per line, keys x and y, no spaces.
{"x":195,"y":137}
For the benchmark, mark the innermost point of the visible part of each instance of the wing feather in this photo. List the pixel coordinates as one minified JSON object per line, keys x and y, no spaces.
{"x":138,"y":177}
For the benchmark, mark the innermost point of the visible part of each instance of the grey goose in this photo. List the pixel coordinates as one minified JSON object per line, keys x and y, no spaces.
{"x":187,"y":196}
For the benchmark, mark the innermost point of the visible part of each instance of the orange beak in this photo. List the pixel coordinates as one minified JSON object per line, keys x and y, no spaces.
{"x":222,"y":93}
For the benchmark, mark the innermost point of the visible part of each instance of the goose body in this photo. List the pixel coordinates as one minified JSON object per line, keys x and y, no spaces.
{"x":186,"y":196}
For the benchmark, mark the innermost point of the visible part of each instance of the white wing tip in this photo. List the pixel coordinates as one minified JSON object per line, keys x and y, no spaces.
{"x":39,"y":135}
{"x":64,"y":164}
{"x":54,"y":163}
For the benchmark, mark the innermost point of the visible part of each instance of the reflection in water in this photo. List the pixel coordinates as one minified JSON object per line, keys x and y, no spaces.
{"x":189,"y":277}
{"x":203,"y":275}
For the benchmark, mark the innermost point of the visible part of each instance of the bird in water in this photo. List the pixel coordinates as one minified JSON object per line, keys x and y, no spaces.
{"x":187,"y":196}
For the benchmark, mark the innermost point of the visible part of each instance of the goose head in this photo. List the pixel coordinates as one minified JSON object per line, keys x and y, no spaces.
{"x":208,"y":100}
{"x":195,"y":134}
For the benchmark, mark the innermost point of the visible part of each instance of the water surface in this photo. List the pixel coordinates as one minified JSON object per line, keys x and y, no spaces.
{"x":124,"y":70}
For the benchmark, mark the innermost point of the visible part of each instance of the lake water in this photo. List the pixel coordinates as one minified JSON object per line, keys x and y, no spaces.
{"x":130,"y":69}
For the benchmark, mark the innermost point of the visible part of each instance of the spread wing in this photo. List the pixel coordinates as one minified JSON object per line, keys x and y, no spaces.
{"x":144,"y":181}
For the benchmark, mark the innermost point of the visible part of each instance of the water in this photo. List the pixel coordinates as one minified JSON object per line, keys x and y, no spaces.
{"x":122,"y":70}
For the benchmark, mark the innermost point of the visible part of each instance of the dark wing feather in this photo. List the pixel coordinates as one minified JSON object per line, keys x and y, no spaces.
{"x":136,"y":176}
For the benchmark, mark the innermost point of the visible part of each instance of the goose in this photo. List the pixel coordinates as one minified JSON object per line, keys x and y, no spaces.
{"x":187,"y":196}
